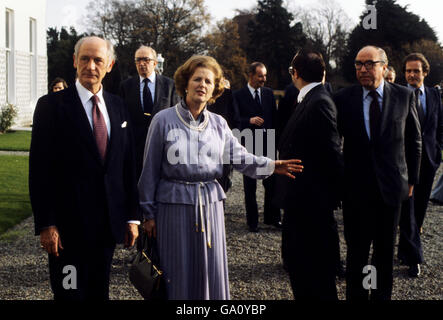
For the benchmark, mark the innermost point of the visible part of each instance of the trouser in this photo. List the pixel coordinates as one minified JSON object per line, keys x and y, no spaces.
{"x":271,"y":212}
{"x":309,"y":239}
{"x":410,"y":250}
{"x":365,"y":223}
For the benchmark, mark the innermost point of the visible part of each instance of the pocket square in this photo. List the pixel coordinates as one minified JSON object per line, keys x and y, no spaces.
{"x":124,"y":124}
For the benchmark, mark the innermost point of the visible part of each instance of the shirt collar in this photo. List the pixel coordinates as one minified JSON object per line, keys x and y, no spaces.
{"x":151,"y":78}
{"x":379,"y":90}
{"x":85,"y":95}
{"x":252,"y":90}
{"x":304,"y":91}
{"x":422,"y":88}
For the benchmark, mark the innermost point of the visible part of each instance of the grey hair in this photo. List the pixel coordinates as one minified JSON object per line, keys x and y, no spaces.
{"x":109,"y":46}
{"x":381,"y":53}
{"x":154,"y":53}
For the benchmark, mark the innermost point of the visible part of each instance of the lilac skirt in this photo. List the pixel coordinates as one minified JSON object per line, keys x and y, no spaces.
{"x":193,"y":270}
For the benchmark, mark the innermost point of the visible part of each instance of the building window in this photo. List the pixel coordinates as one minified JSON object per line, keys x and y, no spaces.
{"x":33,"y":57}
{"x":10,"y":59}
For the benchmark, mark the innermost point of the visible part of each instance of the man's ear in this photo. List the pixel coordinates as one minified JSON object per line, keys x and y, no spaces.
{"x":74,"y":61}
{"x":110,"y":66}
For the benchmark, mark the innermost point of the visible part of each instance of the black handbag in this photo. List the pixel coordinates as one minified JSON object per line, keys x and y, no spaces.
{"x":144,"y":272}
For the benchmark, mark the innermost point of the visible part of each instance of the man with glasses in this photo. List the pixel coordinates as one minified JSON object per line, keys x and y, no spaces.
{"x":144,"y":96}
{"x":382,"y":149}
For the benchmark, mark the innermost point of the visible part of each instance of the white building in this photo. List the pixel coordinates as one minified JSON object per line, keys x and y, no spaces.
{"x":23,"y":59}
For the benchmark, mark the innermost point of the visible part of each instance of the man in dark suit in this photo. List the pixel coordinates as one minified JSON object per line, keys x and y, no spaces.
{"x":311,"y":135}
{"x":145,"y":95}
{"x":430,"y":113}
{"x":82,"y":177}
{"x":382,"y":148}
{"x":257,"y":112}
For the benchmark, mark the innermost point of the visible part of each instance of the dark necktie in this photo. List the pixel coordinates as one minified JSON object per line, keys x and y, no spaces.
{"x":420,"y":111}
{"x":374,"y":115}
{"x":257,"y":98}
{"x":147,"y":98}
{"x":99,"y":128}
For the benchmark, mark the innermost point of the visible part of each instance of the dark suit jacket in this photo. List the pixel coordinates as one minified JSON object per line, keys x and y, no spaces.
{"x":69,"y":186}
{"x":248,"y":108}
{"x":432,"y":129}
{"x":392,"y":160}
{"x":164,"y":97}
{"x":311,"y":135}
{"x":224,"y":106}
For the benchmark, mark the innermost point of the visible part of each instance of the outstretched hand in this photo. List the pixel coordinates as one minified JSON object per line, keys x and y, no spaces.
{"x":288,"y":167}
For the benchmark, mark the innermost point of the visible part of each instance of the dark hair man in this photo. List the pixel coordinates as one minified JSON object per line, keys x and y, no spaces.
{"x":310,"y":239}
{"x":430,"y":114}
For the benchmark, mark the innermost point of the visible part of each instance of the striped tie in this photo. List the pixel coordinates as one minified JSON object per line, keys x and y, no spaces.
{"x":99,"y":128}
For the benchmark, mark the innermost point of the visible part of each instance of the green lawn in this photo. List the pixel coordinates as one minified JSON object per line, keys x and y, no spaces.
{"x":15,"y":141}
{"x":14,"y":196}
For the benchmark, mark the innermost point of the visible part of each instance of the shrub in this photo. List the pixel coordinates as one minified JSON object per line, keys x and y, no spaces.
{"x":7,"y":115}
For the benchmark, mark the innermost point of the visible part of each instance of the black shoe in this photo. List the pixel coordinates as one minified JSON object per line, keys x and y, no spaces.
{"x":414,"y":270}
{"x":340,"y":271}
{"x":253,"y":229}
{"x":277,"y":224}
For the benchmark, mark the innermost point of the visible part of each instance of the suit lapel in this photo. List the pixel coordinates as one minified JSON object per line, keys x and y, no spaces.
{"x":356,"y":104}
{"x":76,"y":112}
{"x":158,"y":90}
{"x":430,"y":105}
{"x":389,"y":101}
{"x":115,"y":120}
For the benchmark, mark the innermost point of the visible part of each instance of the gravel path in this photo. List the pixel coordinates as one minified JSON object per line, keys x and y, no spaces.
{"x":255,"y":268}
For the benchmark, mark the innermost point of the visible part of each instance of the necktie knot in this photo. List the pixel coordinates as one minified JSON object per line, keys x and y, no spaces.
{"x":95,"y":100}
{"x":373,"y":94}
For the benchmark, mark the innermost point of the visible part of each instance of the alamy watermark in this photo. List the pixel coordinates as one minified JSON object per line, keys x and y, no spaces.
{"x":370,"y":20}
{"x":192,"y":148}
{"x":370,"y":281}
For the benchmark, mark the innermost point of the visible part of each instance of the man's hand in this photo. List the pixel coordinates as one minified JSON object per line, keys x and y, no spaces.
{"x":131,"y":234}
{"x":288,"y":167}
{"x":150,"y":228}
{"x":257,"y":121}
{"x":411,"y":189}
{"x":50,"y":240}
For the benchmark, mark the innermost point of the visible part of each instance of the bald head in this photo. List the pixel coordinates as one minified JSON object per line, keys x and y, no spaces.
{"x":145,"y":61}
{"x":370,"y":65}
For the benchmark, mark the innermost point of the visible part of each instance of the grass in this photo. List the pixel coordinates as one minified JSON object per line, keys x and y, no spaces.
{"x":15,"y":141}
{"x":15,"y":205}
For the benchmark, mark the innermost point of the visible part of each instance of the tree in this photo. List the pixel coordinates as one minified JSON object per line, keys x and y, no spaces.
{"x":396,"y":28}
{"x":327,"y":27}
{"x":273,"y":40}
{"x":60,"y":48}
{"x":171,"y":27}
{"x":223,"y":43}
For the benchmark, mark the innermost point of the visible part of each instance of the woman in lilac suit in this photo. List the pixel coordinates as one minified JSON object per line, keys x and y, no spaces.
{"x":181,"y":200}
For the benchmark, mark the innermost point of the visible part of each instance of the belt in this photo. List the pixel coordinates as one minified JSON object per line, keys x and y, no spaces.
{"x":199,"y":206}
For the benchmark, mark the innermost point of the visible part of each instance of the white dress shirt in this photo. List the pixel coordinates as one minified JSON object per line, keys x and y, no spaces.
{"x":252,"y":90}
{"x":85,"y":97}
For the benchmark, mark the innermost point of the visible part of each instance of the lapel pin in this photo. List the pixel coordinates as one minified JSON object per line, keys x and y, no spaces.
{"x":124,"y":124}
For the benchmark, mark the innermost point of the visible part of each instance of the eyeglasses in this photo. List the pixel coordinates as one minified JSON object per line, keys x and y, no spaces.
{"x":291,"y":71}
{"x":368,"y":64}
{"x":143,"y":59}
